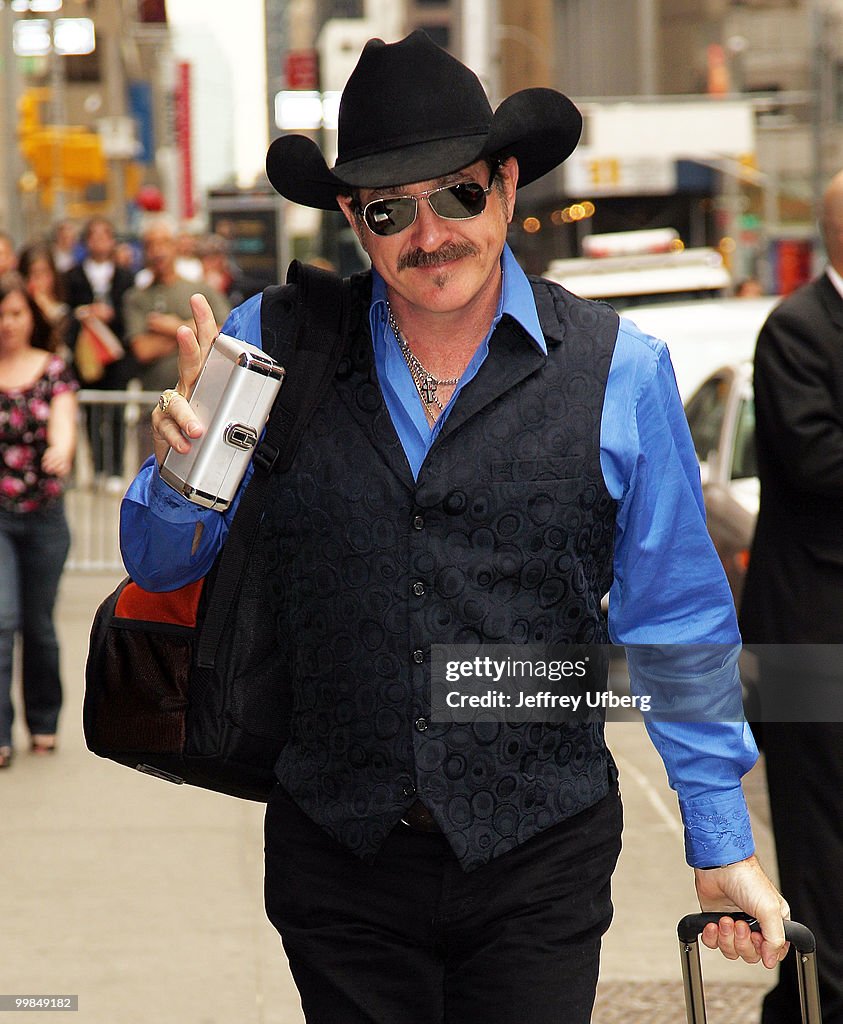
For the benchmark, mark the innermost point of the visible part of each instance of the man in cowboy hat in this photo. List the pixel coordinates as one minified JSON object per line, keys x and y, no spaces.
{"x":493,"y":455}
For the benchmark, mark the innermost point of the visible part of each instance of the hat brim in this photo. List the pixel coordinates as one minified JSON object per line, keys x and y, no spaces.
{"x":539,"y":127}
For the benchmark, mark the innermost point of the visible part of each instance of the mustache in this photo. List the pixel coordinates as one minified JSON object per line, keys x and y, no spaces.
{"x":444,"y":254}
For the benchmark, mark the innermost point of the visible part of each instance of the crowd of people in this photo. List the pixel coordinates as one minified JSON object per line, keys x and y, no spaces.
{"x":115,"y":305}
{"x":61,"y":267}
{"x":80,"y":308}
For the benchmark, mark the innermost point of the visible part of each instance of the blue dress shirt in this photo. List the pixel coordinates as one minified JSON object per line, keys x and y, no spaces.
{"x":669,"y":587}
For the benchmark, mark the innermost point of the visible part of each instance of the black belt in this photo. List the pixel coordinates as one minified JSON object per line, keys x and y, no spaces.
{"x":418,"y":818}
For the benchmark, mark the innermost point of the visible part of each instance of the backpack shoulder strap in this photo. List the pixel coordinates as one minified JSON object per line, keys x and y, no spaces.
{"x":319,"y":301}
{"x":304,"y":328}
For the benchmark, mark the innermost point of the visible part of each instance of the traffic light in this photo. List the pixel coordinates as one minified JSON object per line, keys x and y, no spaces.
{"x":58,"y":154}
{"x":29,"y":112}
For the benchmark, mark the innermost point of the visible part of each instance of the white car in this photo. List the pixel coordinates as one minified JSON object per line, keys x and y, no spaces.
{"x":704,"y":335}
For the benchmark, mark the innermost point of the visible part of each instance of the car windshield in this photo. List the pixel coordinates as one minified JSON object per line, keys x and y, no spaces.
{"x":744,"y":463}
{"x":705,"y":414}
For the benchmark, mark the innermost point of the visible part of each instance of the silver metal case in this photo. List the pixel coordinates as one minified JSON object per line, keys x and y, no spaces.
{"x":232,"y":400}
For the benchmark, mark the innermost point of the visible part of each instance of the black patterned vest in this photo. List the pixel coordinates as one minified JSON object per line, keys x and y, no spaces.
{"x":506,"y":537}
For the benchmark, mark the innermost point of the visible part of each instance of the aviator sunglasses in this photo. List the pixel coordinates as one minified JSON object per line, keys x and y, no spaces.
{"x":462,"y":201}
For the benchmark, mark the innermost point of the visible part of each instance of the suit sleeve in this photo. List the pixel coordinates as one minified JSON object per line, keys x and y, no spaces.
{"x":799,"y":395}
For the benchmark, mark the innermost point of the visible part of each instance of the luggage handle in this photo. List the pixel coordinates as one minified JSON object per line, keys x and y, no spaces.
{"x":689,"y":929}
{"x":800,"y":937}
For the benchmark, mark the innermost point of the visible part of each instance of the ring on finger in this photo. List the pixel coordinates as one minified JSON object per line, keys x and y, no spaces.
{"x":167,"y":395}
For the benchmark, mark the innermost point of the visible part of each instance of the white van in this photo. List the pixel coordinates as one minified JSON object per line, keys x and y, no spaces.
{"x":640,"y":268}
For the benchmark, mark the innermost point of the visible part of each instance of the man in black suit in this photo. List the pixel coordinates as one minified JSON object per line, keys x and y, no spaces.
{"x":95,"y":287}
{"x":793,"y":605}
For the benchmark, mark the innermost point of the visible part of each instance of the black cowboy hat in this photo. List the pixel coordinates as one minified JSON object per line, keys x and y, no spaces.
{"x":412,"y":112}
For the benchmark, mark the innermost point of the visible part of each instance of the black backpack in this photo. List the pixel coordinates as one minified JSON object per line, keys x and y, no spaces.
{"x":189,"y":685}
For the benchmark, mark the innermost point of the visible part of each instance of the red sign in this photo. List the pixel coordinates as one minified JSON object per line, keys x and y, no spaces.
{"x":301,"y":69}
{"x":152,"y":11}
{"x":184,"y":139}
{"x":792,"y":264}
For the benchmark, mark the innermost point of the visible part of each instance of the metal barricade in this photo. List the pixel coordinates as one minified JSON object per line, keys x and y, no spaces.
{"x":114,"y":439}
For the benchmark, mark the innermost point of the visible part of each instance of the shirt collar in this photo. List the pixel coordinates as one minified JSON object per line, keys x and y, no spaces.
{"x":516,"y":301}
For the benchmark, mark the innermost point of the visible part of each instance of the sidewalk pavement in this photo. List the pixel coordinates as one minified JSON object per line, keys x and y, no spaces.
{"x":145,"y":899}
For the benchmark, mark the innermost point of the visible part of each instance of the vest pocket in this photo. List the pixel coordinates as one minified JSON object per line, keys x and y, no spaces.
{"x":569,"y":467}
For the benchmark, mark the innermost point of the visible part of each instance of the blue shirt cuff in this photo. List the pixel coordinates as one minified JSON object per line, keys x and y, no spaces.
{"x":717,"y":829}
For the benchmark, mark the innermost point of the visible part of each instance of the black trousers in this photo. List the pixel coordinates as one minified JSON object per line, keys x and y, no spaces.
{"x":804,"y":763}
{"x":413,"y":939}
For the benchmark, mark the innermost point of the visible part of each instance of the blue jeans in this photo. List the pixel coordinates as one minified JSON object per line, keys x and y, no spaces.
{"x":33,"y":550}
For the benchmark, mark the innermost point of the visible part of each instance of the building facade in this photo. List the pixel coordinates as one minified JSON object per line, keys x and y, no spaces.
{"x":779,"y":61}
{"x":95,"y":130}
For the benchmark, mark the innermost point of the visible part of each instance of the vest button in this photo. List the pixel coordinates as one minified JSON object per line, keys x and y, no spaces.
{"x":421,"y":724}
{"x":418,"y":522}
{"x":408,"y":789}
{"x":418,"y":657}
{"x":418,"y":589}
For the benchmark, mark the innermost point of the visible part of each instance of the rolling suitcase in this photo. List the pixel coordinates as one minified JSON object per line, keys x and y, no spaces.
{"x":804,"y":949}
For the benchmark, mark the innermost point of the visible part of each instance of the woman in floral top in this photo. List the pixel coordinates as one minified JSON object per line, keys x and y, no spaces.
{"x":37,"y":442}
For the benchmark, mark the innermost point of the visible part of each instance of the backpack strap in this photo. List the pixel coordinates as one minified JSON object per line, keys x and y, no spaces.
{"x":315,"y":302}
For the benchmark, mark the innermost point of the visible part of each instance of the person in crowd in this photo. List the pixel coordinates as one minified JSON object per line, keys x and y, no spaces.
{"x":188,"y":261}
{"x":37,"y":442}
{"x":95,"y":288}
{"x":65,"y":249}
{"x":221,"y":272}
{"x":127,"y":256}
{"x":188,"y":264}
{"x":45,"y":285}
{"x":153,"y":314}
{"x":792,"y":604}
{"x":493,"y":455}
{"x":749,"y":288}
{"x":8,"y":254}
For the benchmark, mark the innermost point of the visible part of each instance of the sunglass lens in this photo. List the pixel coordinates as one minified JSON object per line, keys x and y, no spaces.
{"x":389,"y":216}
{"x":459,"y":202}
{"x":454,"y":202}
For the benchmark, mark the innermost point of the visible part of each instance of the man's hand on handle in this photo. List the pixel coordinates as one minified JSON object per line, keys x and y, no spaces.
{"x":175,"y":426}
{"x":743,"y":886}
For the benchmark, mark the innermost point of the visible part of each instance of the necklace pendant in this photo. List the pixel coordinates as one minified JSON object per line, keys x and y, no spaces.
{"x":427,"y":389}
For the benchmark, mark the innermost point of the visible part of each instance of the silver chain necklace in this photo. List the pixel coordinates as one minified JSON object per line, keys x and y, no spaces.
{"x":426,"y":383}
